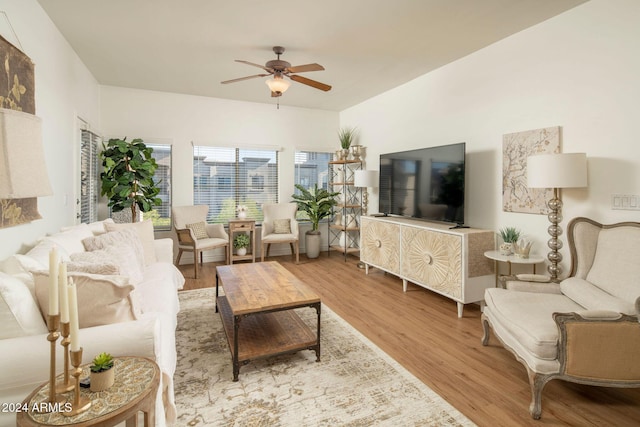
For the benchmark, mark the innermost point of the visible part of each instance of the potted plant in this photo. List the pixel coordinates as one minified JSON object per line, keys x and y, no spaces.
{"x":241,"y":211}
{"x":510,"y":236}
{"x":102,"y":372}
{"x":127,"y":176}
{"x":241,"y":242}
{"x":346,"y":136}
{"x":316,"y":203}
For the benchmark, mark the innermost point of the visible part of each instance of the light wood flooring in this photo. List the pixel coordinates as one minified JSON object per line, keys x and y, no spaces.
{"x":420,"y":329}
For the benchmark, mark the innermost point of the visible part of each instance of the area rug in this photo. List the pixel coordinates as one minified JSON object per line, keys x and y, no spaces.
{"x":354,"y":384}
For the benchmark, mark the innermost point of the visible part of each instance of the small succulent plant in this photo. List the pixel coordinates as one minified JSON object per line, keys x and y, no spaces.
{"x":510,"y":234}
{"x":102,"y":362}
{"x":241,"y":241}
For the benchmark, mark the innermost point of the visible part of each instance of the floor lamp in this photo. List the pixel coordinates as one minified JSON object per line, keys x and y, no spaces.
{"x":556,"y":171}
{"x":365,"y":179}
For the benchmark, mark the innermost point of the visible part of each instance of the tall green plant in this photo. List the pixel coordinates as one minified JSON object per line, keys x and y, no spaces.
{"x":346,"y":136}
{"x":127,"y":176}
{"x":315,"y":202}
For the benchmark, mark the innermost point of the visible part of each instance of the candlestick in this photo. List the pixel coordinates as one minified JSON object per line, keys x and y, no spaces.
{"x":73,"y":316}
{"x":65,"y":384}
{"x":53,"y":322}
{"x":80,"y":403}
{"x":64,"y":295}
{"x":53,"y":282}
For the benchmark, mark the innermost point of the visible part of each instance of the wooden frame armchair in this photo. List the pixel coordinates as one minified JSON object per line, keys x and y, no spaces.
{"x":584,"y":329}
{"x":271,"y":234}
{"x":196,"y":235}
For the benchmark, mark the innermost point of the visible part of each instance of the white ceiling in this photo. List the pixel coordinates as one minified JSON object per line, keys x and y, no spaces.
{"x":366,"y":46}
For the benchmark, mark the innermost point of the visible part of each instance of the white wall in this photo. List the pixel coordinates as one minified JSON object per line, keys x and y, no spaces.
{"x":64,"y":90}
{"x":579,"y":70}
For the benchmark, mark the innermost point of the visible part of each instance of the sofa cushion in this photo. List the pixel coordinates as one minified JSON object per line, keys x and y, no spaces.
{"x":615,"y":267}
{"x":118,"y":258}
{"x":101,"y":299}
{"x":40,"y":252}
{"x":95,"y":227}
{"x":70,"y":241}
{"x":145,"y":232}
{"x":19,"y":313}
{"x":592,"y":297}
{"x":127,"y":237}
{"x":527,"y":316}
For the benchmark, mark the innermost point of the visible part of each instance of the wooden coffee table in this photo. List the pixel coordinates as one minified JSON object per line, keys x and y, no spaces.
{"x":257,"y":312}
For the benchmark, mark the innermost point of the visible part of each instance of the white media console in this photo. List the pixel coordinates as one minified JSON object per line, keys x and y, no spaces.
{"x":448,"y":261}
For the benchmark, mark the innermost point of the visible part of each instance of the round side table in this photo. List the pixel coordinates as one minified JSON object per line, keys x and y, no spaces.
{"x":136,"y":384}
{"x":512,"y":259}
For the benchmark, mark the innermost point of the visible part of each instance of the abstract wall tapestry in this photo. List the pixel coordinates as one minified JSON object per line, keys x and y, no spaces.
{"x":516,"y":147}
{"x":17,"y":92}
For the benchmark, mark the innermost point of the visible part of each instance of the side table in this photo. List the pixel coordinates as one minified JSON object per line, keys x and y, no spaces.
{"x":512,"y":259}
{"x":242,"y":226}
{"x":135,"y":388}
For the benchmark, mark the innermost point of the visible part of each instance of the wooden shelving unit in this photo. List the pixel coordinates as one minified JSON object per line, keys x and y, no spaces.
{"x":344,"y":237}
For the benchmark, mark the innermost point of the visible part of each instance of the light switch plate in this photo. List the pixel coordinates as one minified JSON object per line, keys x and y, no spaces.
{"x":629,"y":202}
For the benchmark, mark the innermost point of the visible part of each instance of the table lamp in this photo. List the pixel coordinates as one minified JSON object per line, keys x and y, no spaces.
{"x":556,"y":171}
{"x":365,"y":179}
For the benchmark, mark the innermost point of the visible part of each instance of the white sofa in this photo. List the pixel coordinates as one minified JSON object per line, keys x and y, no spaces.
{"x":585,"y":328}
{"x":127,"y":300}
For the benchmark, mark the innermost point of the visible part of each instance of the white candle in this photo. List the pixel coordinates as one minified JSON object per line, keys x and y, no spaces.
{"x":53,"y":282}
{"x":64,"y":294}
{"x":74,"y":329}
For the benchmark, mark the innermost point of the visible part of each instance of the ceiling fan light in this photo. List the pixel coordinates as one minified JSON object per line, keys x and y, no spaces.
{"x":278,"y":84}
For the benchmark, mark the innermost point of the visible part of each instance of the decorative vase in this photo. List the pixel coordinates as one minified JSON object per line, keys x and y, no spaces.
{"x":337,"y":220}
{"x":345,"y":154}
{"x":343,"y":239}
{"x":506,"y":249}
{"x":102,"y":380}
{"x":312,"y":243}
{"x":522,"y":248}
{"x":242,"y":215}
{"x":241,"y":251}
{"x":356,"y":152}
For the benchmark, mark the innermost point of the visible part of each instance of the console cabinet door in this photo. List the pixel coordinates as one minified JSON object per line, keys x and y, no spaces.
{"x":380,"y":244}
{"x":433,"y":259}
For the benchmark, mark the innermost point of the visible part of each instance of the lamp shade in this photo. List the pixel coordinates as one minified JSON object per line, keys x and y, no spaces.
{"x":566,"y":170}
{"x":365,"y":178}
{"x":278,"y":84}
{"x":23,"y":171}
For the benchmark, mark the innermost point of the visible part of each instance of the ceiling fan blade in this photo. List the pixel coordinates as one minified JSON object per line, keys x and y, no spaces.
{"x":309,"y":82}
{"x":305,"y":68}
{"x":255,"y":65}
{"x":244,"y":78}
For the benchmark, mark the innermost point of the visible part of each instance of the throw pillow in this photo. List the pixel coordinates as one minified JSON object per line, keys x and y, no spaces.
{"x":123,"y":238}
{"x":102,"y":300}
{"x":282,"y":226}
{"x":145,"y":232}
{"x":199,"y":230}
{"x":19,"y":313}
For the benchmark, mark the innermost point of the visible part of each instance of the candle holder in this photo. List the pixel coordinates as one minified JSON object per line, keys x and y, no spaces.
{"x":65,"y":384}
{"x":80,"y":403}
{"x":53,"y":324}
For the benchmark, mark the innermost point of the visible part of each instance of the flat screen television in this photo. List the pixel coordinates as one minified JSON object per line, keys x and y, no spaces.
{"x":427,"y":183}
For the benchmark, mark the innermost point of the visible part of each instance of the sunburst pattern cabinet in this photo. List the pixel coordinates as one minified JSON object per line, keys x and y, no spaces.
{"x":448,"y":261}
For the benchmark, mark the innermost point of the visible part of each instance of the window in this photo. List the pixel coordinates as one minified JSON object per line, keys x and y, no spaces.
{"x":89,"y":176}
{"x":311,"y":168}
{"x":161,"y":215}
{"x":224,"y":178}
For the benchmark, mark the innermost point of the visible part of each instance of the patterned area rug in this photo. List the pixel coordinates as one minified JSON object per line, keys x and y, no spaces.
{"x":355,"y":383}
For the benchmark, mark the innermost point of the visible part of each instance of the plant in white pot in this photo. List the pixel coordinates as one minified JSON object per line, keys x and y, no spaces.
{"x":346,"y":136}
{"x":241,"y":242}
{"x":127,"y":176}
{"x":316,"y":203}
{"x":510,"y":236}
{"x":102,"y":372}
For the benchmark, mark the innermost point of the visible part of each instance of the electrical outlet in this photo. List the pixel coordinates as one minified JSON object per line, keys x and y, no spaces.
{"x":629,"y":202}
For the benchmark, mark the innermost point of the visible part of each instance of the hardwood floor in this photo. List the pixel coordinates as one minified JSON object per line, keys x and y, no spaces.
{"x":421,"y":330}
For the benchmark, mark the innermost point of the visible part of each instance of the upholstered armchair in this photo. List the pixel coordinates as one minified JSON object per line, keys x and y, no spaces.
{"x":280,"y":226}
{"x":196,"y":235}
{"x":584,"y":329}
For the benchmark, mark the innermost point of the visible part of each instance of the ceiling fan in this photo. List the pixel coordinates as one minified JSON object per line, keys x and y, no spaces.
{"x":280,"y":69}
